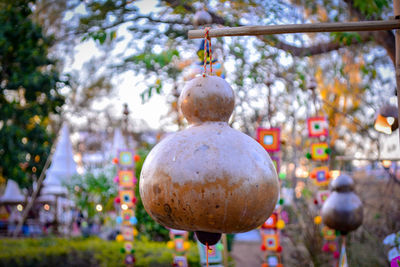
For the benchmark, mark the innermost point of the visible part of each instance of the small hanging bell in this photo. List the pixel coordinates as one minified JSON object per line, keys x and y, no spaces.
{"x":342,"y":210}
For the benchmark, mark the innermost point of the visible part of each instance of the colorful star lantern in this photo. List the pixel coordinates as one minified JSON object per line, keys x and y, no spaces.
{"x":179,"y":243}
{"x":320,"y":176}
{"x":319,"y":151}
{"x":317,"y":126}
{"x":269,"y":138}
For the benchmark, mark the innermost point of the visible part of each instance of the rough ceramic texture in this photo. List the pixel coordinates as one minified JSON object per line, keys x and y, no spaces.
{"x":207,"y":99}
{"x":209,"y":177}
{"x":343,"y":209}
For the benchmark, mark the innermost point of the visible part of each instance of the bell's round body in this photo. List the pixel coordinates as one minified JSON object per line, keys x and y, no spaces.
{"x":342,"y":210}
{"x":209,"y":177}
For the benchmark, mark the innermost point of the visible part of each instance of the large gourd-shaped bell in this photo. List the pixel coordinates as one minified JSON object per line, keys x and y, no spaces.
{"x":209,"y":178}
{"x":342,"y":210}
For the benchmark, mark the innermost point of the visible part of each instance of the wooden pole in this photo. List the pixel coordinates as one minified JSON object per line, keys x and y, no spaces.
{"x":396,"y":11}
{"x":30,"y":203}
{"x":350,"y":158}
{"x":357,"y":26}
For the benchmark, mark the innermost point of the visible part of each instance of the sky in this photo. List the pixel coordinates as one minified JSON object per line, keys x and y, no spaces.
{"x":127,"y":86}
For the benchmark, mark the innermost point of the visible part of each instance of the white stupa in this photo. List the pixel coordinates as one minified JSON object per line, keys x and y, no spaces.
{"x":62,"y":167}
{"x":12,"y":194}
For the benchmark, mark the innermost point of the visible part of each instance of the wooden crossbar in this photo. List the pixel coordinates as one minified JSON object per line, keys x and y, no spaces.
{"x":356,"y":26}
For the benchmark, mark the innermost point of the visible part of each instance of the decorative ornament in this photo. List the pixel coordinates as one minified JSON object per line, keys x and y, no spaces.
{"x":280,"y":224}
{"x":272,"y":260}
{"x":328,"y":233}
{"x":321,"y":176}
{"x":126,"y":197}
{"x":271,"y":241}
{"x":208,"y":178}
{"x":276,"y":162}
{"x":125,"y":158}
{"x":395,"y":262}
{"x":336,"y":255}
{"x":119,"y":238}
{"x":317,"y":126}
{"x":136,"y":158}
{"x":115,"y":160}
{"x":180,"y":261}
{"x":319,"y":151}
{"x":322,"y":196}
{"x":133,"y":220}
{"x":135,"y":232}
{"x":214,"y":254}
{"x":170,"y":244}
{"x":317,"y":219}
{"x":129,"y":259}
{"x":186,"y":245}
{"x":282,"y":176}
{"x":125,"y":178}
{"x":269,"y":138}
{"x":127,"y":232}
{"x":263,"y":247}
{"x":127,"y":215}
{"x":270,"y":223}
{"x":128,"y":246}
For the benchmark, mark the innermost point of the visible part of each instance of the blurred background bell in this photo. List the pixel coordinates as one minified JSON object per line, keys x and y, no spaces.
{"x":342,"y":210}
{"x":387,"y":119}
{"x":202,"y":17}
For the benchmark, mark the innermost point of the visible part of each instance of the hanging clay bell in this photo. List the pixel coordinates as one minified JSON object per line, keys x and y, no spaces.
{"x":209,"y":178}
{"x":342,"y":210}
{"x":202,"y":17}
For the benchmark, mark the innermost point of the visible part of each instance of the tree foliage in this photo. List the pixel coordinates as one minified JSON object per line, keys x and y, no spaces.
{"x":158,"y":44}
{"x":91,"y":189}
{"x":29,"y":93}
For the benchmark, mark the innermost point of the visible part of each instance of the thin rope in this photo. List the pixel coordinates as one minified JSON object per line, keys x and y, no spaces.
{"x":207,"y":39}
{"x":207,"y":248}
